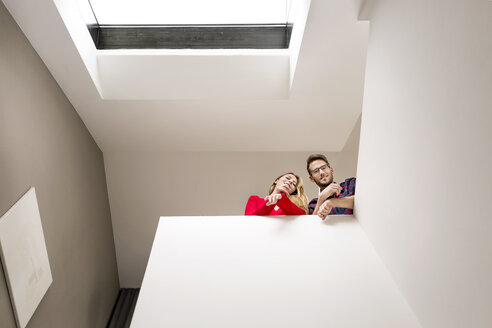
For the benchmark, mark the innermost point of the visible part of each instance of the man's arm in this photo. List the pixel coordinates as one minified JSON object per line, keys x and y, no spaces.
{"x":325,"y":208}
{"x":318,"y":205}
{"x":345,"y":202}
{"x":329,"y":191}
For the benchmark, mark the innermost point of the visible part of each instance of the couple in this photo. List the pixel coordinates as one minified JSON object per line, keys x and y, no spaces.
{"x":287,"y":197}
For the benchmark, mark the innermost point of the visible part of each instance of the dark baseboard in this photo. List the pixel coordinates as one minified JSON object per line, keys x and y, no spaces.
{"x":122,"y":313}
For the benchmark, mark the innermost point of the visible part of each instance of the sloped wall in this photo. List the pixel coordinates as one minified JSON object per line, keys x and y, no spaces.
{"x":44,"y":143}
{"x":424,"y":177}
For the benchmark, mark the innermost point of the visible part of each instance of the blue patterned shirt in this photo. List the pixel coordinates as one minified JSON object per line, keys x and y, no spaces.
{"x":348,"y":189}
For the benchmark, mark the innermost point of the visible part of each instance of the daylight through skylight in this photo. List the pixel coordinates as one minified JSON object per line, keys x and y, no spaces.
{"x":170,"y":12}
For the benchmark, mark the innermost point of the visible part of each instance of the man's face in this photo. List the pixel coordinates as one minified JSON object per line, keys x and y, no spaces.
{"x":321,"y":173}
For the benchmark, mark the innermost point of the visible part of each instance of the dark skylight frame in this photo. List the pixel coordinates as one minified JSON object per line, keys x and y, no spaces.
{"x":273,"y":36}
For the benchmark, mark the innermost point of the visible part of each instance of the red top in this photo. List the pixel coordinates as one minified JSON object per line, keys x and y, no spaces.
{"x":257,"y":206}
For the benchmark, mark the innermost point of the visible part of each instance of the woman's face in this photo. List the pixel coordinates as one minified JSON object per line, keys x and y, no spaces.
{"x":289,"y":181}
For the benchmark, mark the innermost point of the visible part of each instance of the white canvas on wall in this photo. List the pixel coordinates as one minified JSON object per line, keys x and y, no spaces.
{"x":24,"y":257}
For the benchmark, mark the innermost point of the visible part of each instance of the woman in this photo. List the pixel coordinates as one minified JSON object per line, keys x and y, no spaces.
{"x":286,"y":197}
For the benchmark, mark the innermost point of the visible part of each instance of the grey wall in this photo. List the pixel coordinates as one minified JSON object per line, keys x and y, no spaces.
{"x":44,"y":143}
{"x":144,"y":186}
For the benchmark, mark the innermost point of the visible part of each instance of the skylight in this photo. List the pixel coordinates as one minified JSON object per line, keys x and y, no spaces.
{"x":216,"y":58}
{"x":188,"y":24}
{"x":190,"y":12}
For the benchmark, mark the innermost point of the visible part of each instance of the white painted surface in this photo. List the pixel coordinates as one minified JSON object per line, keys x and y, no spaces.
{"x":298,"y":15}
{"x":267,"y":272}
{"x":327,"y":88}
{"x":194,"y":74}
{"x":24,"y":257}
{"x":345,"y":163}
{"x":424,"y":172}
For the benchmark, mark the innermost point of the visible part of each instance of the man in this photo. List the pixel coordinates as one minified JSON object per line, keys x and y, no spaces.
{"x":333,"y":198}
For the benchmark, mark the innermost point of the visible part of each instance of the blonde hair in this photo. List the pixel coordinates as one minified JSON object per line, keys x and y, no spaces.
{"x":298,"y":197}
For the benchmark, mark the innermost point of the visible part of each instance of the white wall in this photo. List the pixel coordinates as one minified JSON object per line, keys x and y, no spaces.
{"x":424,"y":179}
{"x":144,"y":186}
{"x":345,"y":163}
{"x":298,"y":14}
{"x":267,"y":272}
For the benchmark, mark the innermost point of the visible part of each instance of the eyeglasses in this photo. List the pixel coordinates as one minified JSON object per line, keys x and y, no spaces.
{"x":321,"y":168}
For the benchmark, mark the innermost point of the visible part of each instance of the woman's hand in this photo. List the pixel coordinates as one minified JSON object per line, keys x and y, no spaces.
{"x":272,"y":199}
{"x":285,"y":188}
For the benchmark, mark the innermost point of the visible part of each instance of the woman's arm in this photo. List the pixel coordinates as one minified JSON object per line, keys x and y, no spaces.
{"x":257,"y":206}
{"x":289,"y":207}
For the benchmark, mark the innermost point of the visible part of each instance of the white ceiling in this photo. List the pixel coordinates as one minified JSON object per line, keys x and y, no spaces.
{"x":324,"y":104}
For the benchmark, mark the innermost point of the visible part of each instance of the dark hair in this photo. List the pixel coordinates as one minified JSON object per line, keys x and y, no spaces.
{"x":314,"y":157}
